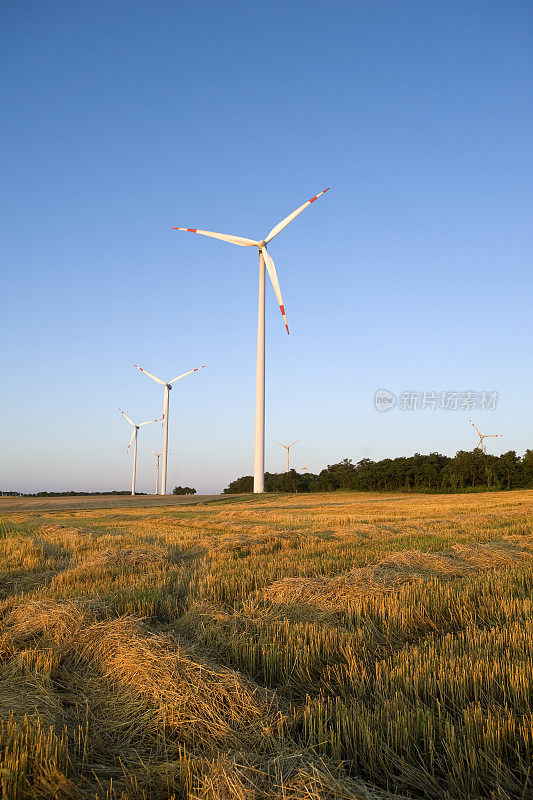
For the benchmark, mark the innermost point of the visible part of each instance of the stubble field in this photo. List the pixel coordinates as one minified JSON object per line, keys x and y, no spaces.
{"x":317,"y":647}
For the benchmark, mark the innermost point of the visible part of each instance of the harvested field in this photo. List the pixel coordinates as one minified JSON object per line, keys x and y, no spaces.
{"x":323,"y":647}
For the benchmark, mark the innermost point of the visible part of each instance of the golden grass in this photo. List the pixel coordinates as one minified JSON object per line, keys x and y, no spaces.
{"x":404,"y":567}
{"x":328,"y":647}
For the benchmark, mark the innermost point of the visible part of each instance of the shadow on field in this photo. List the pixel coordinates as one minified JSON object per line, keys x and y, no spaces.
{"x":28,"y":504}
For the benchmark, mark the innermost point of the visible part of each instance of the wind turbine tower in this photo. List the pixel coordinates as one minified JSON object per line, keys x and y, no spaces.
{"x":134,"y":437}
{"x":264,"y":260}
{"x":157,"y":456}
{"x":166,"y":394}
{"x":287,"y":448}
{"x":482,"y":436}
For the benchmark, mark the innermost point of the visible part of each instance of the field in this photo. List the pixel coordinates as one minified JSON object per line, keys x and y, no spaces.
{"x":318,"y":647}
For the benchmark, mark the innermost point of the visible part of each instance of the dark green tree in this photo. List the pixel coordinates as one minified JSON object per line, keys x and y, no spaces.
{"x":510,"y":469}
{"x":527,"y":467}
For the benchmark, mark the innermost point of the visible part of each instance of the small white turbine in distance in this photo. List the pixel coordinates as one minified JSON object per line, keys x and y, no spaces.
{"x":287,"y":448}
{"x":157,"y":456}
{"x":134,"y":437}
{"x":482,"y":436}
{"x":168,"y":387}
{"x":304,"y":468}
{"x":264,"y":258}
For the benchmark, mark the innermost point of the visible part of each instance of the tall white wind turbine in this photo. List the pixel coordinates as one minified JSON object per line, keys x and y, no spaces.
{"x":168,"y":387}
{"x":134,"y":437}
{"x":264,"y":258}
{"x":482,"y":436}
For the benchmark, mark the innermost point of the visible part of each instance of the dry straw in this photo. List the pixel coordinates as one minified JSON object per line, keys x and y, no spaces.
{"x":337,"y":647}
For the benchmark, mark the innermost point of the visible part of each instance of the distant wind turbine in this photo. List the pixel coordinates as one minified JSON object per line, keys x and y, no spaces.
{"x":482,"y":436}
{"x":168,"y":387}
{"x":157,"y":456}
{"x":264,"y":258}
{"x":287,"y":448}
{"x":134,"y":436}
{"x":304,"y":468}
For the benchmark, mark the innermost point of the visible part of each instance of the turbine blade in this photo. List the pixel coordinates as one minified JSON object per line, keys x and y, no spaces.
{"x":284,"y":222}
{"x":186,"y":373}
{"x":149,"y":422}
{"x":275,"y":283}
{"x":153,"y":377}
{"x":125,"y":415}
{"x":226,"y":237}
{"x":296,"y":442}
{"x":282,"y":445}
{"x":131,"y":440}
{"x":474,"y":427}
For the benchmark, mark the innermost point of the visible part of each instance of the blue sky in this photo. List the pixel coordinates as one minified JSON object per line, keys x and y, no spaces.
{"x":414,"y":272}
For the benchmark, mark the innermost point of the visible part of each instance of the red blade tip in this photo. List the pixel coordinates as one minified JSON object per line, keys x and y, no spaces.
{"x":312,"y":200}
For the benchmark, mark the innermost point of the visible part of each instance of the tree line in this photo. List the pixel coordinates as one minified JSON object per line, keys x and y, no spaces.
{"x":466,"y":471}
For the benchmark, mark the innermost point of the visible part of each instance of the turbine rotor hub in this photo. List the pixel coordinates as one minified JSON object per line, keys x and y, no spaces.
{"x":262,"y":244}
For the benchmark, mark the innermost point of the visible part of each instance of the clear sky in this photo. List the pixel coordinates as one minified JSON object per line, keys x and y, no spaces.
{"x":414,"y":273}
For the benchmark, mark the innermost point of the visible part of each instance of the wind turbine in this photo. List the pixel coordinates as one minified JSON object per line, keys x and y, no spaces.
{"x":168,"y":387}
{"x":304,"y":468}
{"x":482,"y":436}
{"x":134,"y":436}
{"x":157,"y":455}
{"x":287,"y":448}
{"x":264,"y":258}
